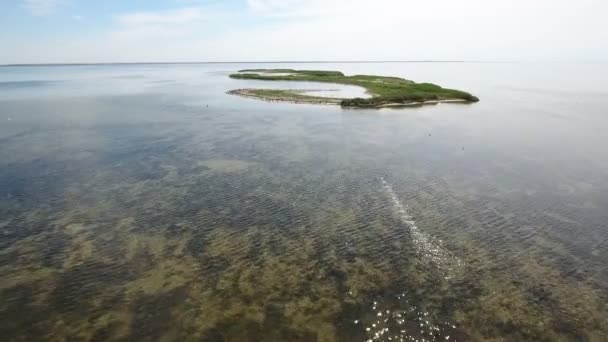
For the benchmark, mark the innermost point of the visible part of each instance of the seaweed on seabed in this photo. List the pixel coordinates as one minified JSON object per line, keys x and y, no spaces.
{"x":153,"y":314}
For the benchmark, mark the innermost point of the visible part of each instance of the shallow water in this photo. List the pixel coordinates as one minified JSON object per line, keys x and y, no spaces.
{"x":341,"y":91}
{"x":141,"y":202}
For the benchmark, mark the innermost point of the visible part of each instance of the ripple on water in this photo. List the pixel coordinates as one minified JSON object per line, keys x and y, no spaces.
{"x":428,"y":248}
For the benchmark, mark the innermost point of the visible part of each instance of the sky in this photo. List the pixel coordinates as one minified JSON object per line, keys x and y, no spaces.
{"x":93,"y":31}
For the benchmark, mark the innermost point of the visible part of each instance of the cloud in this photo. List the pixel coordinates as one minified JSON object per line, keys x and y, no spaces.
{"x":150,"y":29}
{"x":299,"y":8}
{"x":42,"y":7}
{"x":338,"y":30}
{"x":170,"y":17}
{"x":274,"y":5}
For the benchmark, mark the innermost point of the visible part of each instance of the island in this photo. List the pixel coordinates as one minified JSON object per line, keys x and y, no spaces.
{"x":384,"y":91}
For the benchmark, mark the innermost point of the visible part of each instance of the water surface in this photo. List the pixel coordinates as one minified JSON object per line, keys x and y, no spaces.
{"x":141,"y":202}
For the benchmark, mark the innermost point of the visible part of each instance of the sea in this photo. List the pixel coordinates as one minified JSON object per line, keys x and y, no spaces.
{"x":141,"y":202}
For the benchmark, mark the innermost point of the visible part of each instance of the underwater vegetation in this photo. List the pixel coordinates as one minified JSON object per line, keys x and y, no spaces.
{"x":220,"y":225}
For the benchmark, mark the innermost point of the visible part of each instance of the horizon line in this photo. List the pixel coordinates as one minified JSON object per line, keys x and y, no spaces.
{"x":248,"y":62}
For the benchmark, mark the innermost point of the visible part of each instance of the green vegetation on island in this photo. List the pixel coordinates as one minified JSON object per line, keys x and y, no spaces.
{"x":384,"y":91}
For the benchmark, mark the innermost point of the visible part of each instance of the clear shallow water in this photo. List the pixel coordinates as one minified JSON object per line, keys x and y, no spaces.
{"x":144,"y":203}
{"x":342,"y":91}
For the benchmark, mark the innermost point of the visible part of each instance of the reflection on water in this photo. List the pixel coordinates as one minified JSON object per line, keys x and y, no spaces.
{"x":157,"y":207}
{"x":406,"y":322}
{"x":428,"y":248}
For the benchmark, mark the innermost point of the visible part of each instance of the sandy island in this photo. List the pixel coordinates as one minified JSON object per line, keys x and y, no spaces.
{"x":385,"y":91}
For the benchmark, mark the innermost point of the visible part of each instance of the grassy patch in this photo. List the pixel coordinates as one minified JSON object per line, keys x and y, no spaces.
{"x":293,"y":71}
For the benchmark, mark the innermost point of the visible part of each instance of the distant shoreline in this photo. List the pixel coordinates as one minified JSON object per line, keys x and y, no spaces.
{"x":238,"y":62}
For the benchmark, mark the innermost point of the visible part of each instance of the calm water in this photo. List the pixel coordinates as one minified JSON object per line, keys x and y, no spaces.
{"x":143,"y":203}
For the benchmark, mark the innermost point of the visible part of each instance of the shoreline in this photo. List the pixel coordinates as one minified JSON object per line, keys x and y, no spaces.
{"x":249,"y":93}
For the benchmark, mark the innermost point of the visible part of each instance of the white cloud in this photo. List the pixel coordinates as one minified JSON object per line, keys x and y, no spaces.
{"x":301,"y":8}
{"x":42,"y":7}
{"x":170,"y":17}
{"x":274,"y":5}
